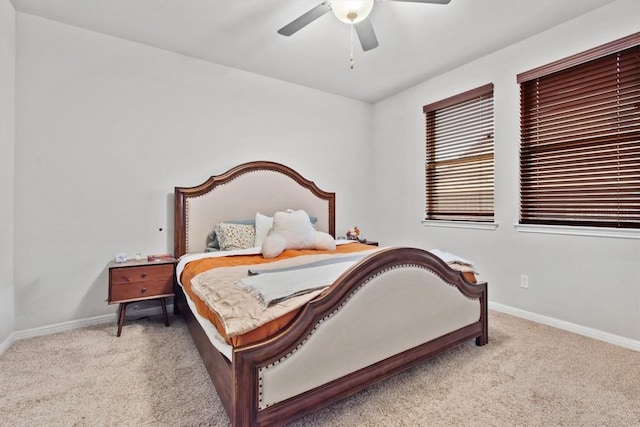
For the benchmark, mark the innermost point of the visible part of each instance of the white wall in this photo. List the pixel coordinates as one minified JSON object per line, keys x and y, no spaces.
{"x":7,"y":146}
{"x":106,"y":128}
{"x":588,"y":281}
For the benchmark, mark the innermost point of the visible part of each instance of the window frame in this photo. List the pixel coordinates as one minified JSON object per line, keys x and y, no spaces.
{"x":464,"y":218}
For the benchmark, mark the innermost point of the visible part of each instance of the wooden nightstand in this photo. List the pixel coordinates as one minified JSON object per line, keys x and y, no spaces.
{"x":132,"y":281}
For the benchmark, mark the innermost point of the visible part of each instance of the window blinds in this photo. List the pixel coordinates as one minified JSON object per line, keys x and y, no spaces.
{"x":459,"y":157}
{"x":580,"y":140}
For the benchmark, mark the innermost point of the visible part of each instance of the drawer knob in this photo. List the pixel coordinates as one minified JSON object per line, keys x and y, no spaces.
{"x":144,"y":274}
{"x":143,"y":290}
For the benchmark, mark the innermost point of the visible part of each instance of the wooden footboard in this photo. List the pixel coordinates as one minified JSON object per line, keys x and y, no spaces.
{"x":389,"y":312}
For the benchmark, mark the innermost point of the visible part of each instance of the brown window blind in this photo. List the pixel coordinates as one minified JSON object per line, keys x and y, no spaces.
{"x":459,"y":157}
{"x":580,"y":139}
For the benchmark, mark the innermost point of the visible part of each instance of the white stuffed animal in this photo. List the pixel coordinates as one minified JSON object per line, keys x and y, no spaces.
{"x":293,"y":230}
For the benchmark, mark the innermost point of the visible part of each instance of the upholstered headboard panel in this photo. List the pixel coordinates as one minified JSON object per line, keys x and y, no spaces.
{"x":240,"y":193}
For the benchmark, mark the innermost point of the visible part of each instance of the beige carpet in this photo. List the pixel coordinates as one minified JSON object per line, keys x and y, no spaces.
{"x":529,"y":375}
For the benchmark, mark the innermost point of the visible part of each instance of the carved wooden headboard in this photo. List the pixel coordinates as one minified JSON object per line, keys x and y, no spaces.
{"x":240,"y":193}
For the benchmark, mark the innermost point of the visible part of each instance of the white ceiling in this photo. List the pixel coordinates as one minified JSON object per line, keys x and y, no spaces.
{"x":417,"y":41}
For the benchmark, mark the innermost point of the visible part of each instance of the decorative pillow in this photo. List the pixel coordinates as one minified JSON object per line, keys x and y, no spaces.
{"x":212,"y":242}
{"x":212,"y":239}
{"x":324,"y":242}
{"x":295,"y":227}
{"x":293,"y":230}
{"x":273,"y":245}
{"x":263,"y":226}
{"x":235,"y":236}
{"x":264,"y":223}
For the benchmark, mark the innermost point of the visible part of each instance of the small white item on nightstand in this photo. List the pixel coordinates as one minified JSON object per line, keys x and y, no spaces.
{"x":121,"y":257}
{"x":138,"y":257}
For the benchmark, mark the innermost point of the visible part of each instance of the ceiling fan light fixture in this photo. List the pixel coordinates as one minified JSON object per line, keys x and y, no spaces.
{"x":351,"y":11}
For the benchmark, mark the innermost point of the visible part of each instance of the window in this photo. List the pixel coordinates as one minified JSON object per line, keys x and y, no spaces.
{"x":580,"y":139}
{"x":459,"y":157}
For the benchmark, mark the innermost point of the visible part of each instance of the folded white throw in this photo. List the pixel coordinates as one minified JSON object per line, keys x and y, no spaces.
{"x":272,"y":287}
{"x":450,"y":258}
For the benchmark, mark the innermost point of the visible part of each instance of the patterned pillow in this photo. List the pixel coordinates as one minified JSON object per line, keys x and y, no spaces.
{"x":235,"y":236}
{"x":212,"y":239}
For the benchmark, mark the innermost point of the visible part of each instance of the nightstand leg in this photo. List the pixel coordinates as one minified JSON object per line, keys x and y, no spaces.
{"x":163,"y":301}
{"x":122,"y":311}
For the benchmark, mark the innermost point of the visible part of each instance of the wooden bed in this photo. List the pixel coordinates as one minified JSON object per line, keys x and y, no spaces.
{"x":337,"y":344}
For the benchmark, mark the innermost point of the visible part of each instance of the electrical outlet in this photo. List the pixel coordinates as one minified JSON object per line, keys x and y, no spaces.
{"x":524,"y":281}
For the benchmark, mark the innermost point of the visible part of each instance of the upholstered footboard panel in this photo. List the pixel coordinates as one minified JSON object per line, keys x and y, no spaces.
{"x":388,"y":312}
{"x":399,"y":309}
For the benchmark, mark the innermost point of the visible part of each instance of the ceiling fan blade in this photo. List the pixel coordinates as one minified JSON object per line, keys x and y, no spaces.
{"x":306,"y":19}
{"x":425,"y":1}
{"x":366,"y":35}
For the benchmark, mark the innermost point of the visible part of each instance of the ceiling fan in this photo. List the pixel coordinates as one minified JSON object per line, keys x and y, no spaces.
{"x":354,"y":12}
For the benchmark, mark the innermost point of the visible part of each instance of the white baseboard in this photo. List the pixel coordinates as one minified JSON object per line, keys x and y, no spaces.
{"x":76,"y":324}
{"x":568,"y":326}
{"x":4,"y":346}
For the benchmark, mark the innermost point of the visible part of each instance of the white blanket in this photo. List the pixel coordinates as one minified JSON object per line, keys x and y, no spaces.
{"x":272,"y":287}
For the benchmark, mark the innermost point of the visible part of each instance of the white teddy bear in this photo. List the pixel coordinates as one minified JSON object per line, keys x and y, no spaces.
{"x":293,"y":230}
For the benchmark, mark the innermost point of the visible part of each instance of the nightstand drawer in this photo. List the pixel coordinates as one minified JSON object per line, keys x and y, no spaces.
{"x":144,"y":273}
{"x":141,"y":290}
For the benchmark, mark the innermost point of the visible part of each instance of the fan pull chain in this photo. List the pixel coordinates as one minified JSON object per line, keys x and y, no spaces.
{"x":351,"y":57}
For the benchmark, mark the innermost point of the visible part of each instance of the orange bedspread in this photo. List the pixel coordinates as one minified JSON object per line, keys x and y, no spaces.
{"x":196,"y":267}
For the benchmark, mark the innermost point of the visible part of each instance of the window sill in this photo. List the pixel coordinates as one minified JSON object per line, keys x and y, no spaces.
{"x":579,"y":231}
{"x":461,"y":224}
